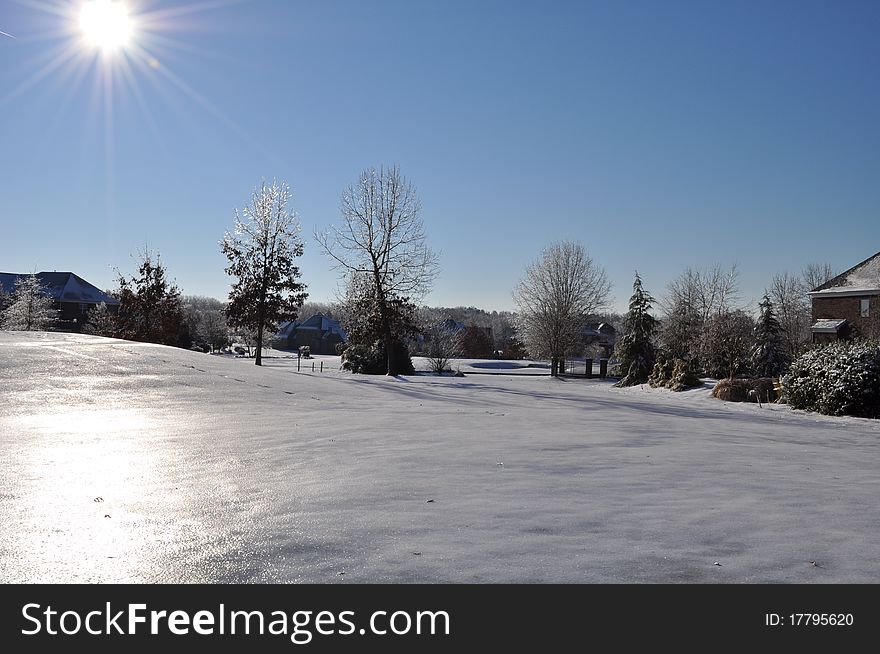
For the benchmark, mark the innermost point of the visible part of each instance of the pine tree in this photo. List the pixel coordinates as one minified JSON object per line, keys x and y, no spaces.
{"x":100,"y":322}
{"x":768,"y":356}
{"x":636,"y":348}
{"x":150,"y":308}
{"x":31,"y":308}
{"x":261,"y":251}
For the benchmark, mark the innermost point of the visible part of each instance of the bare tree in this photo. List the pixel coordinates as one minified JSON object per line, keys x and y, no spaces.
{"x":693,"y":299}
{"x":788,"y":294}
{"x":261,"y":251}
{"x":443,"y":345}
{"x":382,"y":237}
{"x":555,"y":297}
{"x":816,"y":274}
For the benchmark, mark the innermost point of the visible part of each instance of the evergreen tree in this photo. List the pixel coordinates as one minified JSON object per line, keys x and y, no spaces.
{"x":100,"y":322}
{"x":150,"y":309}
{"x":636,"y":348}
{"x":368,"y":323}
{"x":261,"y":251}
{"x":768,"y":354}
{"x":30,"y":309}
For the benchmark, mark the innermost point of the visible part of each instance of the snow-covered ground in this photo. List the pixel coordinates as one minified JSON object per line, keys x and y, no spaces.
{"x":132,"y":462}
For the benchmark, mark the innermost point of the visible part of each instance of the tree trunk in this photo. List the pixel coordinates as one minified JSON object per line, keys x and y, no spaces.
{"x":389,"y":350}
{"x":259,"y":357}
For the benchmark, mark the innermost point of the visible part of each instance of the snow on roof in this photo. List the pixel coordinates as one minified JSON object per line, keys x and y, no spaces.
{"x":831,"y":326}
{"x":861,"y":278}
{"x":62,"y":287}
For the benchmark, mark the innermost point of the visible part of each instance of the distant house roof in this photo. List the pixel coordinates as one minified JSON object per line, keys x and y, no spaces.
{"x":61,"y":287}
{"x":861,"y":279}
{"x":318,"y":322}
{"x":828,"y":326}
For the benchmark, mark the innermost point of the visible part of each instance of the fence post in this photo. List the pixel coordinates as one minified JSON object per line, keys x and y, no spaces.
{"x":313,"y":366}
{"x":297,"y":363}
{"x":588,"y":368}
{"x":322,"y":367}
{"x":603,"y":368}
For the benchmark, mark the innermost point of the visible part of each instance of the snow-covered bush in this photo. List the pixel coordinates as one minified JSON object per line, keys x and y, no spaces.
{"x":674,"y":374}
{"x":838,"y":379}
{"x":372,"y":360}
{"x":683,"y":376}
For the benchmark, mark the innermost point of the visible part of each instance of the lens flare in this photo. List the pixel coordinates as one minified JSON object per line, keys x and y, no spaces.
{"x":105,"y":24}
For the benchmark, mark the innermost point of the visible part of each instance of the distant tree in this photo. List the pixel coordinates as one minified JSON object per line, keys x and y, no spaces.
{"x":261,"y":250}
{"x":442,"y":345}
{"x":768,"y":353}
{"x":382,"y":238}
{"x":816,"y":274}
{"x":636,"y":349}
{"x":150,"y":309}
{"x":681,"y":331}
{"x":475,"y":342}
{"x":726,"y":344}
{"x":100,"y":321}
{"x":29,"y":308}
{"x":788,"y":293}
{"x":694,"y":301}
{"x":206,"y":320}
{"x":555,"y":297}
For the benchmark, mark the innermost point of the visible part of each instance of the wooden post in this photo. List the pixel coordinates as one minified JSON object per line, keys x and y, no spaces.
{"x":588,"y":368}
{"x":298,"y":360}
{"x":322,"y":367}
{"x":603,"y":368}
{"x":313,"y":366}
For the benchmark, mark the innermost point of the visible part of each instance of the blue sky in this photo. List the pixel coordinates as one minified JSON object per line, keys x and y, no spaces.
{"x":659,"y":134}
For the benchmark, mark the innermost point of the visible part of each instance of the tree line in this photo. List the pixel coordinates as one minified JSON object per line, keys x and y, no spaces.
{"x":379,"y":246}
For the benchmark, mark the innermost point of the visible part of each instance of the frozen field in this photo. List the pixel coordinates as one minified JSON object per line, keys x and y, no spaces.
{"x":130,"y":462}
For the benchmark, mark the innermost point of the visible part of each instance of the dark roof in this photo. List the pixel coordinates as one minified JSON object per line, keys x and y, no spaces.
{"x":318,"y":322}
{"x":61,"y":287}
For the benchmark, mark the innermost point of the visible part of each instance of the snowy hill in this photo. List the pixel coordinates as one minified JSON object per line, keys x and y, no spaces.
{"x":133,"y":462}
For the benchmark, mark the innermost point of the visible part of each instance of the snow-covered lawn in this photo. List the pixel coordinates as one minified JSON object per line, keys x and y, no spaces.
{"x":131,"y":462}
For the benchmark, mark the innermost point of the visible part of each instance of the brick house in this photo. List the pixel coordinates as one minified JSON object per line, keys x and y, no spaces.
{"x":848,"y":306}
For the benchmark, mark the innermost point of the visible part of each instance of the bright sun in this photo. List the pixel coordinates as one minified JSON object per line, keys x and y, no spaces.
{"x":106,"y":24}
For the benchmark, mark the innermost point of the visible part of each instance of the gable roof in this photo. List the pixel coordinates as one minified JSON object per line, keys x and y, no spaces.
{"x":61,"y":287}
{"x":862,"y":278}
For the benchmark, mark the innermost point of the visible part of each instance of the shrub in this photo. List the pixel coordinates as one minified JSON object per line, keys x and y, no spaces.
{"x":371,"y":360}
{"x":838,"y":379}
{"x":662,"y":372}
{"x":674,"y":374}
{"x":739,"y":390}
{"x":683,"y":376}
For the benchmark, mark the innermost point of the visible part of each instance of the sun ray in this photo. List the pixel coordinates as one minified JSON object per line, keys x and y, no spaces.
{"x":57,"y":58}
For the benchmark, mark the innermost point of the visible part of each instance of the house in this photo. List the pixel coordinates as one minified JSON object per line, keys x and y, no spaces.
{"x":848,"y":306}
{"x":321,"y":333}
{"x":74,"y":297}
{"x":599,"y":338}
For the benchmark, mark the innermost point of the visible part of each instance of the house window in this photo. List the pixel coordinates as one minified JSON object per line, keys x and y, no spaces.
{"x":84,"y":308}
{"x":866,"y":308}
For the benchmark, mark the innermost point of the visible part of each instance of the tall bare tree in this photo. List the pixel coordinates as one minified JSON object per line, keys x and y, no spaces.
{"x":261,"y":251}
{"x":383,"y":238}
{"x":816,"y":274}
{"x":788,"y":293}
{"x":556,"y":296}
{"x":692,"y":300}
